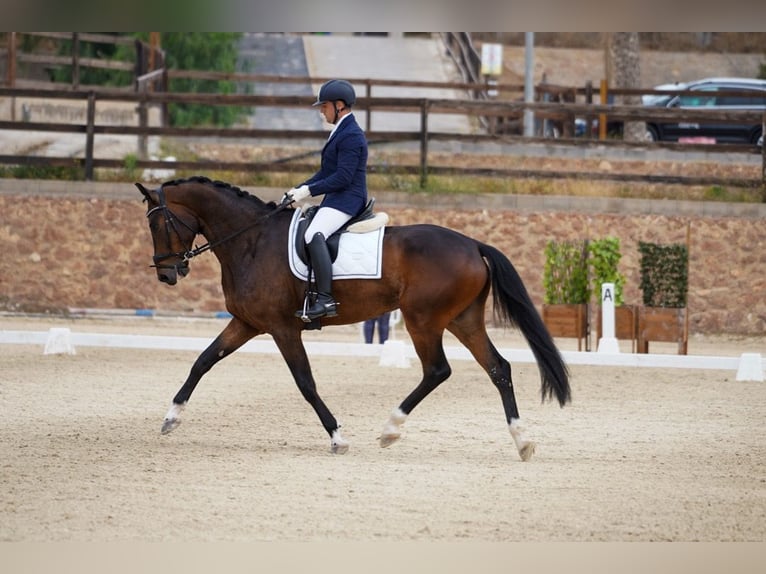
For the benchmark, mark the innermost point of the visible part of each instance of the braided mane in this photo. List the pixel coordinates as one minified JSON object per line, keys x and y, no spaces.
{"x":221,"y":185}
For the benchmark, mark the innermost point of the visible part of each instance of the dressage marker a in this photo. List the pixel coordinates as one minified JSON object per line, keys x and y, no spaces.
{"x":748,"y":366}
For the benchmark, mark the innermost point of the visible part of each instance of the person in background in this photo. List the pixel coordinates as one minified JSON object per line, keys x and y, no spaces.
{"x":382,"y":322}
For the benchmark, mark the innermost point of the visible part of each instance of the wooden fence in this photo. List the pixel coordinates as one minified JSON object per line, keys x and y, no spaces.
{"x":150,"y":90}
{"x":89,"y":129}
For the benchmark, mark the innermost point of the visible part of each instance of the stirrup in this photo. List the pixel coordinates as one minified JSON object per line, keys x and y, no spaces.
{"x":327,"y":310}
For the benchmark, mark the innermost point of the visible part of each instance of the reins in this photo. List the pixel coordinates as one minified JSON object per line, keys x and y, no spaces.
{"x":170,"y":223}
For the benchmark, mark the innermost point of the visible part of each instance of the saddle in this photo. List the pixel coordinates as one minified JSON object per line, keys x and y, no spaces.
{"x":365,"y":221}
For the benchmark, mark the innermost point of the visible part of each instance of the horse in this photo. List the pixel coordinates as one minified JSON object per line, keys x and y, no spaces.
{"x":437,"y":277}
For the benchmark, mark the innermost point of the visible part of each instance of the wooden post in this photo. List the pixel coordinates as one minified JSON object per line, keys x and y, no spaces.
{"x":688,"y":269}
{"x":143,"y":123}
{"x":423,"y":143}
{"x":89,"y":135}
{"x":11,"y":71}
{"x":589,"y":100}
{"x":139,"y":71}
{"x":604,"y":93}
{"x":763,"y":158}
{"x":75,"y":60}
{"x":367,"y":94}
{"x":165,"y":87}
{"x":154,"y":42}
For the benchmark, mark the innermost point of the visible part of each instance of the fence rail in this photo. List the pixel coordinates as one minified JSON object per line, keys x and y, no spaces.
{"x":499,"y":116}
{"x":424,"y":106}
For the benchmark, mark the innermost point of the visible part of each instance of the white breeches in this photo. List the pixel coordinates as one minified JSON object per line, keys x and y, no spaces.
{"x":326,"y":221}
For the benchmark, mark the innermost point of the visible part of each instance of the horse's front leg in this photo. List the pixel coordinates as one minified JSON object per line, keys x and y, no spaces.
{"x":294,"y":353}
{"x":231,"y":338}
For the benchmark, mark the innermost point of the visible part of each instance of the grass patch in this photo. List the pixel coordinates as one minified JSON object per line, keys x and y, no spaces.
{"x":64,"y":173}
{"x":296,"y":164}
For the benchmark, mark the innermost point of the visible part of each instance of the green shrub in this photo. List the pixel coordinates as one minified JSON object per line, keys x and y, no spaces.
{"x":565,"y":275}
{"x":604,"y":257}
{"x":575,"y":270}
{"x":664,"y":274}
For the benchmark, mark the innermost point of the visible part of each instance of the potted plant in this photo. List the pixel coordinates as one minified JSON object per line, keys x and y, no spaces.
{"x":566,"y":290}
{"x":604,"y":258}
{"x":665,"y":286}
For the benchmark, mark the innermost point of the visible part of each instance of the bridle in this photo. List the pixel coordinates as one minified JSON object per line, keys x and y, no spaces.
{"x":171,"y":226}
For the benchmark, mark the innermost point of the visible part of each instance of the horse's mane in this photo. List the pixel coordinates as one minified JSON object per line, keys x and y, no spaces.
{"x":201,"y":179}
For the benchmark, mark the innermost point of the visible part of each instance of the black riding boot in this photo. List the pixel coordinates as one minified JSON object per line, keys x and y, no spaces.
{"x":322,"y":266}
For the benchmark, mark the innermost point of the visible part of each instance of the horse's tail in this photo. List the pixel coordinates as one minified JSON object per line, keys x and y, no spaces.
{"x":513,"y":304}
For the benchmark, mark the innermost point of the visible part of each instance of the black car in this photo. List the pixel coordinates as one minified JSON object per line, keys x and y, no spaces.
{"x":709,"y":99}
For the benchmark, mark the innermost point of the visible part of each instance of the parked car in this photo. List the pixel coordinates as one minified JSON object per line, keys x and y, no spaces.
{"x":614,"y":127}
{"x":659,"y":99}
{"x":714,"y":132}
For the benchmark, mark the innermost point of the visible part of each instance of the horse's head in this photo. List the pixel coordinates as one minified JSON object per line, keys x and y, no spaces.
{"x":172,"y":235}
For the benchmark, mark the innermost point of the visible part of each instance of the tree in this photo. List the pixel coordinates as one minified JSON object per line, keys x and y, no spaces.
{"x":624,"y":71}
{"x":183,"y":51}
{"x":201,"y":51}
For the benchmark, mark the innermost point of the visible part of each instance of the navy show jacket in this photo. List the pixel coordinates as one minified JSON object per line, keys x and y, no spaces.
{"x":342,"y":177}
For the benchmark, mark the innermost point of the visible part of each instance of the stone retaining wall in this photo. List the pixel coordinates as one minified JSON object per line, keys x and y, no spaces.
{"x":71,"y":244}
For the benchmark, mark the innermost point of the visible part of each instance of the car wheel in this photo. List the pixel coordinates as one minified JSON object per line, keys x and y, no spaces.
{"x":651,"y":134}
{"x":756,"y":137}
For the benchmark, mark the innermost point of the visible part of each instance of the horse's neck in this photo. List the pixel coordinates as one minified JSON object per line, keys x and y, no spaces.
{"x":221,"y":211}
{"x":230,"y":222}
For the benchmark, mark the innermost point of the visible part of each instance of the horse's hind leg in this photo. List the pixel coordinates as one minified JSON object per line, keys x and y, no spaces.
{"x":470,"y":330}
{"x":231,"y":338}
{"x":436,"y":370}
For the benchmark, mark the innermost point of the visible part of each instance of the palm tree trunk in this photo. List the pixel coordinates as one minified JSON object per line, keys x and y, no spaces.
{"x":625,"y":73}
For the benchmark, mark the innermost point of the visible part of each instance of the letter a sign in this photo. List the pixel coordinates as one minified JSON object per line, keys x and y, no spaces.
{"x":608,"y":342}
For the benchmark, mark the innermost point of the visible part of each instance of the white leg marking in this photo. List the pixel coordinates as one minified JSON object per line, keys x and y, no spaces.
{"x":338,"y":445}
{"x":391,"y":430}
{"x":173,"y":418}
{"x":174,"y":412}
{"x":525,"y":447}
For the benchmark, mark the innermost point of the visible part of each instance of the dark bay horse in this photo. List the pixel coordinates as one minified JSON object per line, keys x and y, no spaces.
{"x":438,"y":278}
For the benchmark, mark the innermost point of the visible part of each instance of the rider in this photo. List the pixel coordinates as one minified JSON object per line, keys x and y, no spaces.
{"x":341,"y":179}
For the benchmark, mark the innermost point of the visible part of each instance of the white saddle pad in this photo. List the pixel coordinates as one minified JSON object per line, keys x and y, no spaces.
{"x":360,"y":255}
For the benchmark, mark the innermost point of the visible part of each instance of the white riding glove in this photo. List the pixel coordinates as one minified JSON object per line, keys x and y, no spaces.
{"x":299,"y":193}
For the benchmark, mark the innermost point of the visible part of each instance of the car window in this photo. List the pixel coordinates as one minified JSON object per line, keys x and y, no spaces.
{"x":698,"y":100}
{"x":739,"y":101}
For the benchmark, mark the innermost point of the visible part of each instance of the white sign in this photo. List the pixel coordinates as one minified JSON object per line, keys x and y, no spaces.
{"x":608,"y":342}
{"x":491,"y":59}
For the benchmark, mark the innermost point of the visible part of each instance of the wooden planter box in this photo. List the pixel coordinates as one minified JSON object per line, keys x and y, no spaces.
{"x":567,"y":321}
{"x":662,"y":324}
{"x":625,"y":323}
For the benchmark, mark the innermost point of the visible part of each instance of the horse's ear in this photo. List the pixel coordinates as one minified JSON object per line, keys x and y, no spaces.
{"x":148,"y":194}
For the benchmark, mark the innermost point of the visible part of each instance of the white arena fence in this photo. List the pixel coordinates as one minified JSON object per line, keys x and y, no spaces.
{"x":748,"y":366}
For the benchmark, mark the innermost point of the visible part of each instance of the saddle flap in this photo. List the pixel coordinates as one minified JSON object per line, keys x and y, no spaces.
{"x":359,"y":255}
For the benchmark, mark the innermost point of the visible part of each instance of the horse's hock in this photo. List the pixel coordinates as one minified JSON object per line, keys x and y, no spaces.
{"x":76,"y":244}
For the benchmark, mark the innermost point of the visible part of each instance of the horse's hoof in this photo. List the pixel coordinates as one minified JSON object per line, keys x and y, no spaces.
{"x":389,"y":439}
{"x":339,"y":448}
{"x":338,"y":445}
{"x":526,"y":451}
{"x":168,"y":425}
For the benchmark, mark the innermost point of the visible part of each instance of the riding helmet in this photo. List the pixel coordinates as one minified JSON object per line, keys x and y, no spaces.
{"x":336,"y":90}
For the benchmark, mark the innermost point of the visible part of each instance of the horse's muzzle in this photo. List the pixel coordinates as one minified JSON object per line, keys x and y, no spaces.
{"x":170,"y":273}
